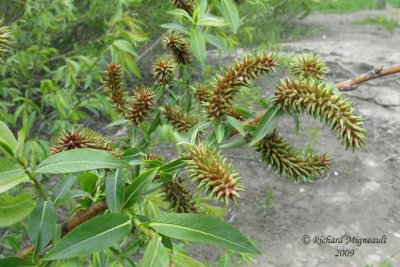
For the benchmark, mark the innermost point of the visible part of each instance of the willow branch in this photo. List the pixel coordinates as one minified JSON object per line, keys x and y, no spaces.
{"x":348,"y":85}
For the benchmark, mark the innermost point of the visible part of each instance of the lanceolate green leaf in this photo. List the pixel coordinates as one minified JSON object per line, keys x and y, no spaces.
{"x":10,"y":175}
{"x":156,"y":254}
{"x":231,"y":14}
{"x":236,"y":124}
{"x":219,"y":129}
{"x":14,"y":262}
{"x":115,"y":190}
{"x":198,"y":44}
{"x":266,"y":124}
{"x":14,"y":209}
{"x":78,"y":160}
{"x":8,"y":143}
{"x":42,"y":224}
{"x":94,"y":235}
{"x":181,"y":260}
{"x":139,"y":186}
{"x":202,"y":228}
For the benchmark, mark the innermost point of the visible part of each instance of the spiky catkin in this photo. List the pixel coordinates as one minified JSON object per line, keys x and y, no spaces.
{"x":308,"y":65}
{"x":115,"y":86}
{"x":241,"y":73}
{"x":211,"y":171}
{"x":236,"y":114}
{"x":83,"y":138}
{"x":180,"y":121}
{"x":164,"y":70}
{"x":151,"y":156}
{"x":202,"y":93}
{"x":187,"y":5}
{"x":286,"y":161}
{"x":142,"y":105}
{"x":318,"y":99}
{"x":179,"y":196}
{"x":5,"y":36}
{"x":178,"y":46}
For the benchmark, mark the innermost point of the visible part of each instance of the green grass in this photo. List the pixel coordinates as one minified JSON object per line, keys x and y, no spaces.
{"x":382,"y":21}
{"x":341,"y":6}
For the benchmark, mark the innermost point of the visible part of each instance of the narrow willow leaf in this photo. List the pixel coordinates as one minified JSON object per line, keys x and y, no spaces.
{"x":230,"y":14}
{"x":181,"y":260}
{"x":8,"y":143}
{"x":63,"y":188}
{"x":266,"y":124}
{"x":139,"y":187}
{"x":14,"y":209}
{"x":215,"y":41}
{"x":77,"y":160}
{"x":236,"y":124}
{"x":173,"y":165}
{"x":94,"y":235}
{"x":41,"y":225}
{"x":115,"y":190}
{"x":15,"y":262}
{"x":156,"y":254}
{"x":175,"y":27}
{"x":204,"y":229}
{"x":10,"y":175}
{"x":219,"y":129}
{"x":234,"y":144}
{"x":198,"y":45}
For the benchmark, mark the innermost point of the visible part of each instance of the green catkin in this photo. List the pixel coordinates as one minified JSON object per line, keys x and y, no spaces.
{"x":179,"y":48}
{"x":115,"y":87}
{"x":211,"y":171}
{"x":179,"y":197}
{"x":241,"y":73}
{"x":319,"y":100}
{"x":5,"y":36}
{"x":286,"y":161}
{"x":180,"y":121}
{"x":164,"y":70}
{"x":308,"y":65}
{"x":187,"y":5}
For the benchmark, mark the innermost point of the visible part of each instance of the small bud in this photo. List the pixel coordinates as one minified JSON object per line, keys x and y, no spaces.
{"x":178,"y":46}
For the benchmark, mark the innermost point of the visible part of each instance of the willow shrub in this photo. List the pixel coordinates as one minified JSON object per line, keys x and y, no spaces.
{"x":117,"y":202}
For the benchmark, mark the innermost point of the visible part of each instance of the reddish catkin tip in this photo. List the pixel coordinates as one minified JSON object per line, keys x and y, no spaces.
{"x":211,"y":171}
{"x":83,"y":138}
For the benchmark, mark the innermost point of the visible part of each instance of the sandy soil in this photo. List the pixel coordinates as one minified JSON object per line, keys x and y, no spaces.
{"x":360,"y":196}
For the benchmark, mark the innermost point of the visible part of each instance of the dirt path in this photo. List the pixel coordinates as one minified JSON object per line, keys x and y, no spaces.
{"x":360,"y":196}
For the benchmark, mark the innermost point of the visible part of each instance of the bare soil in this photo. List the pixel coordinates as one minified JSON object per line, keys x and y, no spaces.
{"x":360,"y":195}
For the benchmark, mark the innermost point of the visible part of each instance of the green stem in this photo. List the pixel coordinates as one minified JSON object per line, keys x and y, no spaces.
{"x":32,"y":177}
